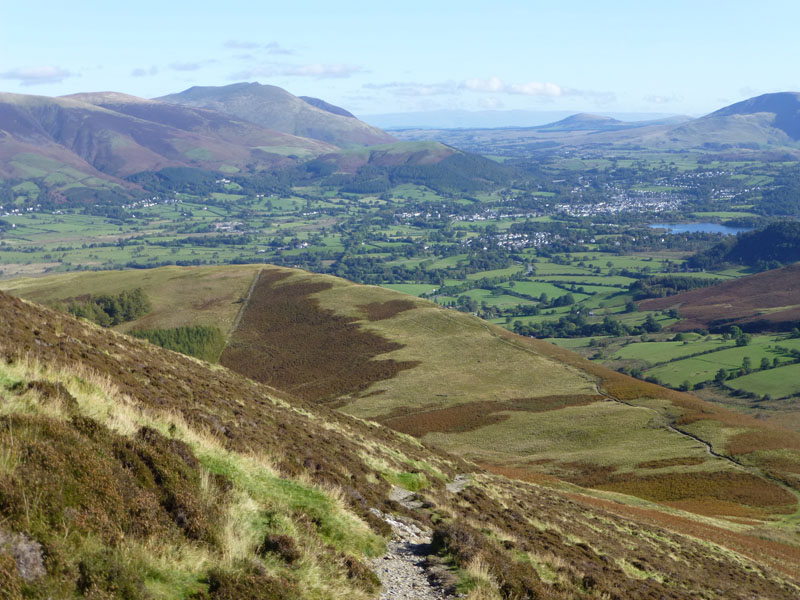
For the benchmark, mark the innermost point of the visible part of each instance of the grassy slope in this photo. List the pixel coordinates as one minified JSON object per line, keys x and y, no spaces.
{"x":507,"y":388}
{"x":180,"y":296}
{"x":177,"y":479}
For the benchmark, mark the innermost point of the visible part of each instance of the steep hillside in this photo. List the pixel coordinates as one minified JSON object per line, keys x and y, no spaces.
{"x":275,"y":108}
{"x":768,"y":301}
{"x":502,"y":400}
{"x":319,"y":103}
{"x":133,"y":472}
{"x":61,"y":141}
{"x":205,"y":122}
{"x":783,"y":107}
{"x":513,"y":404}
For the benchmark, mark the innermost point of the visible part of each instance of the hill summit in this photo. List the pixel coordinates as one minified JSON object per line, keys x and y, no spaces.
{"x":783,"y":106}
{"x":275,"y":108}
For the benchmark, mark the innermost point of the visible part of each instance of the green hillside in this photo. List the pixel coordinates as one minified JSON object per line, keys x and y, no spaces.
{"x":512,"y":404}
{"x":133,"y":472}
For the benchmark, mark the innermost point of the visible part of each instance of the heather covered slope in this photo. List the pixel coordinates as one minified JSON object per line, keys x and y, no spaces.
{"x":513,"y":404}
{"x":768,"y":301}
{"x":133,"y":472}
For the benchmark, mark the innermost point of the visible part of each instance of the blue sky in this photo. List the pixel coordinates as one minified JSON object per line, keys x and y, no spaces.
{"x":378,"y":57}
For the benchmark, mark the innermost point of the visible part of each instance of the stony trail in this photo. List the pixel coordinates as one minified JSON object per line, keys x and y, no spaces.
{"x":401,"y":570}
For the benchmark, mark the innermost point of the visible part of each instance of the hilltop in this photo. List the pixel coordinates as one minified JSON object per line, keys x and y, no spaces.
{"x":179,"y":479}
{"x":275,"y":108}
{"x":762,"y":123}
{"x":108,"y":148}
{"x":96,"y":140}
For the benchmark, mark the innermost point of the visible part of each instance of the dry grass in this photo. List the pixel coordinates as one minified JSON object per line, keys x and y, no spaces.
{"x":661,"y":463}
{"x":275,"y":472}
{"x":180,"y":296}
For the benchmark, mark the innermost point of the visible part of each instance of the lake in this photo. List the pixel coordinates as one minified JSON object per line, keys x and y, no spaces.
{"x":699,"y":228}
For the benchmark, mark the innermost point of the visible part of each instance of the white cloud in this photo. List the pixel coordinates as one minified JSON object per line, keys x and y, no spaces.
{"x":191,"y":66}
{"x":322,"y":71}
{"x":495,"y":85}
{"x":534,"y":88}
{"x":37,"y":75}
{"x":268,"y":48}
{"x":144,"y":72}
{"x":662,"y":99}
{"x":492,"y":85}
{"x":409,"y":88}
{"x":317,"y":71}
{"x":491,"y":103}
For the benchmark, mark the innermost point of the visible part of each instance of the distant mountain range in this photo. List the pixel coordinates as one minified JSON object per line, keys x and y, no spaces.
{"x":765,"y":122}
{"x":488,"y":119}
{"x":96,"y":140}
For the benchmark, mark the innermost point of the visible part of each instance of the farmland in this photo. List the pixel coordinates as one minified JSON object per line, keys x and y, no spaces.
{"x":561,"y":252}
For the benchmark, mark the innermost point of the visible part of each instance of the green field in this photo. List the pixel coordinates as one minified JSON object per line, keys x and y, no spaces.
{"x":778,"y":383}
{"x":657,"y":352}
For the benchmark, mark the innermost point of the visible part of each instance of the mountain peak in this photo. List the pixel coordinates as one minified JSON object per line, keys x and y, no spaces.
{"x":275,"y":108}
{"x":784,"y":105}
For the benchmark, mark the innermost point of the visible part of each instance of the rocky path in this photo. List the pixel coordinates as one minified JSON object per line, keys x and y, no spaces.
{"x":402,"y":570}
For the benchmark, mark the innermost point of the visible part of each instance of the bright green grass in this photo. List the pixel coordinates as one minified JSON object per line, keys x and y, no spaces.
{"x":656,"y":352}
{"x":536,"y":289}
{"x":502,"y":301}
{"x":705,"y":367}
{"x":778,"y":383}
{"x":548,"y":268}
{"x":508,"y":272}
{"x":599,"y":280}
{"x":447,"y":262}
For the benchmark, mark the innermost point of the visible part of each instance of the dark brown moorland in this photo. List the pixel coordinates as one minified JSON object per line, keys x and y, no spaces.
{"x":768,"y":301}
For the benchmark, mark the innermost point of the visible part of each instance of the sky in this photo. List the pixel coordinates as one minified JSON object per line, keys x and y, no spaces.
{"x":682,"y":57}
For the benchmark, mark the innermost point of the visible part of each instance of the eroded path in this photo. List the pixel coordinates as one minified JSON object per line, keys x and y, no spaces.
{"x":402,"y":569}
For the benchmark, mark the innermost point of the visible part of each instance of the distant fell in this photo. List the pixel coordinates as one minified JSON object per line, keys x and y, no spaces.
{"x":584,"y":121}
{"x":275,"y":108}
{"x":785,"y":106}
{"x":87,"y":138}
